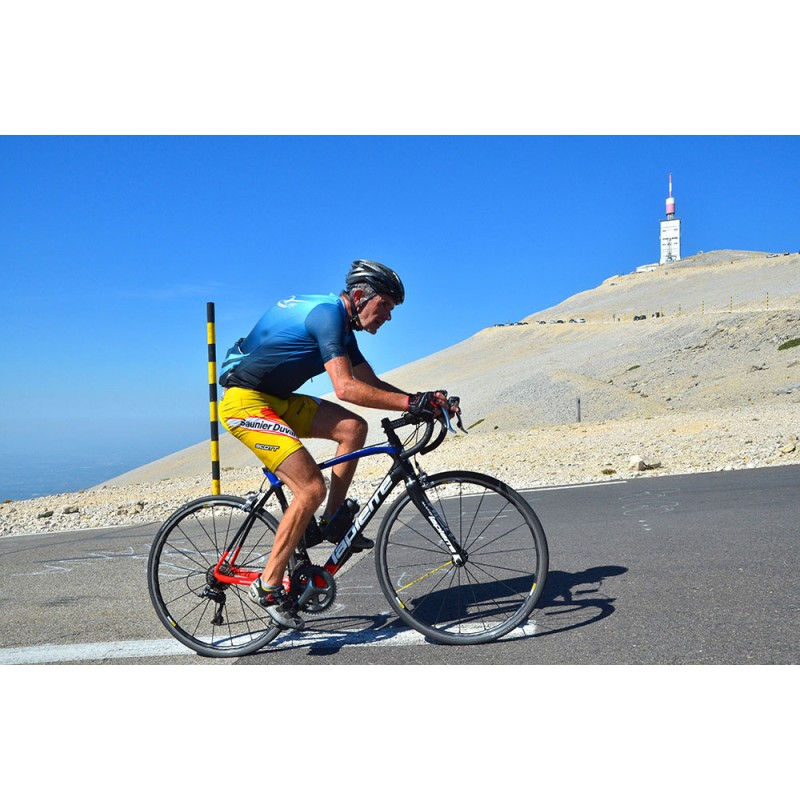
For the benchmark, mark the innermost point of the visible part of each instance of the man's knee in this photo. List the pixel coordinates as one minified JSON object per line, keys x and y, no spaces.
{"x":354,"y":431}
{"x":304,"y":478}
{"x":337,"y":424}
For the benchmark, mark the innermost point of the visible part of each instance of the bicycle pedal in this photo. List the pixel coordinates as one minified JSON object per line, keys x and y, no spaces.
{"x":361,"y":543}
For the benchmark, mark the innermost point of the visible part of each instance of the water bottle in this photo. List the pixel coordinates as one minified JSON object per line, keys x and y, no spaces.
{"x":340,"y":522}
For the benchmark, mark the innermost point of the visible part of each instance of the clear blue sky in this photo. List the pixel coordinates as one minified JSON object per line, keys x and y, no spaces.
{"x":112,"y":246}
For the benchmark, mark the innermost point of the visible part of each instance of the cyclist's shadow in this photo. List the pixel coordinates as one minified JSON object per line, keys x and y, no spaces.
{"x":577,"y":594}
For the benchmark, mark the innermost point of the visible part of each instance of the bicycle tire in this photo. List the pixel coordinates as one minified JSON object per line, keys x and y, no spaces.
{"x":179,"y":571}
{"x":497,"y":588}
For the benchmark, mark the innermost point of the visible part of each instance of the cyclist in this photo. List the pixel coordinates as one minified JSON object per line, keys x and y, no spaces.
{"x":298,"y":338}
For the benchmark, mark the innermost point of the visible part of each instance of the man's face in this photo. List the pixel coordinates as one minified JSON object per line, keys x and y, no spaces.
{"x":377,"y":310}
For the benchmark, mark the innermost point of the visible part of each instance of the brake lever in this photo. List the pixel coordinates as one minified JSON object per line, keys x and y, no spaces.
{"x":447,"y":419}
{"x":454,"y":401}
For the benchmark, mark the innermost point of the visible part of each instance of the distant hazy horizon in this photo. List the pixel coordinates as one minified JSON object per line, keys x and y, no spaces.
{"x":21,"y":479}
{"x":30,"y":468}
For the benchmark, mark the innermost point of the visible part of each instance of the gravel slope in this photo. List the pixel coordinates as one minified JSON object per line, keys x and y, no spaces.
{"x":702,"y":387}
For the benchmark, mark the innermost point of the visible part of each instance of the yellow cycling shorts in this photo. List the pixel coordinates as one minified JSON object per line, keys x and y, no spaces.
{"x":270,"y":426}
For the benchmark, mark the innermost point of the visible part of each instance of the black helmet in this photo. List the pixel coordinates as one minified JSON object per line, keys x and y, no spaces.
{"x":379,"y":277}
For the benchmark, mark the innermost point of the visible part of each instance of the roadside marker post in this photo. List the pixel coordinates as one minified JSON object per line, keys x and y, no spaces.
{"x":212,"y":396}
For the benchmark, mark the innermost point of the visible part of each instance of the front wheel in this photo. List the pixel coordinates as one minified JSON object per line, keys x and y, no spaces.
{"x":212,"y":618}
{"x":504,"y":567}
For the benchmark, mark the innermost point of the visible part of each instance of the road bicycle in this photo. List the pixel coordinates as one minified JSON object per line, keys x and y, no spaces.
{"x":460,"y":556}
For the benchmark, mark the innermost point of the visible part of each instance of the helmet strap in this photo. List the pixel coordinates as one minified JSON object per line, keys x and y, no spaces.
{"x":355,"y":322}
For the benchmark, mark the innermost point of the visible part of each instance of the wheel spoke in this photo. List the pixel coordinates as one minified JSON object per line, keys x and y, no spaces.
{"x":213,"y":618}
{"x":500,"y":581}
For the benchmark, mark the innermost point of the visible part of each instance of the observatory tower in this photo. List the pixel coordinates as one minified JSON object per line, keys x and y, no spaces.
{"x":670,"y":232}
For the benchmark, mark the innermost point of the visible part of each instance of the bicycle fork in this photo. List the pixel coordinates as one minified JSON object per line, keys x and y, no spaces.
{"x":458,"y":555}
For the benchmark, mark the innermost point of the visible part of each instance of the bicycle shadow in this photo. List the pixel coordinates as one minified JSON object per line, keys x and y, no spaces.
{"x":577,"y":594}
{"x":561,"y":596}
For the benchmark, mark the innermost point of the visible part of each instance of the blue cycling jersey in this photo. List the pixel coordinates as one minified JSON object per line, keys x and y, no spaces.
{"x":291,"y":344}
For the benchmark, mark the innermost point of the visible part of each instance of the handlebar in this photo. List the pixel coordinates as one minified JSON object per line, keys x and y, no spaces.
{"x":426,"y":442}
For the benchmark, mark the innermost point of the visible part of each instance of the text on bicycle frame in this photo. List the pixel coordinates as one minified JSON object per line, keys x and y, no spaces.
{"x":363,"y":518}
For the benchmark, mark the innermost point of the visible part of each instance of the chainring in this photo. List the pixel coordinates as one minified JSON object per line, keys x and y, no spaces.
{"x":323,"y":588}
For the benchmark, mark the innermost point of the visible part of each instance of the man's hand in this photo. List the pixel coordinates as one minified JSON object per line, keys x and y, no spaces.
{"x":428,"y":402}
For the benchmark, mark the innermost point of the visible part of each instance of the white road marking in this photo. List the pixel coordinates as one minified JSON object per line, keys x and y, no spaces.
{"x":614,"y":482}
{"x":97,"y":651}
{"x":156,"y":648}
{"x":386,"y":637}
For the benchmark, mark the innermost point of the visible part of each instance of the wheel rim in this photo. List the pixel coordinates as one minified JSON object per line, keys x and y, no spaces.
{"x":493,"y":591}
{"x":211,"y":617}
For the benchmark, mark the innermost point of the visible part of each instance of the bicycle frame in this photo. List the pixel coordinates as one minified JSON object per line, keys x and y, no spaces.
{"x":401,"y":470}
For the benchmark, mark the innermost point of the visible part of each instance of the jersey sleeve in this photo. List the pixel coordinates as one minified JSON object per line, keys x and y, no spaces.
{"x":325,"y":324}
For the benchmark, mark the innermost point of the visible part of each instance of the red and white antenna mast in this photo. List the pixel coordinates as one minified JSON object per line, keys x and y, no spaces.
{"x":670,"y":201}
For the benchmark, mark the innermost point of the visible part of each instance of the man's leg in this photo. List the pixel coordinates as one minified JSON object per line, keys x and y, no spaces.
{"x":301,"y":474}
{"x":334,"y":422}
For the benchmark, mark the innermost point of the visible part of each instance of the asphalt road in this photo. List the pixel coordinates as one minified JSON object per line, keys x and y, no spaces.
{"x":693,"y":569}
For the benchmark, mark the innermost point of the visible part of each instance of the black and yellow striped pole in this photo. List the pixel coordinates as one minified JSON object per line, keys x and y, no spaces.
{"x":212,"y":396}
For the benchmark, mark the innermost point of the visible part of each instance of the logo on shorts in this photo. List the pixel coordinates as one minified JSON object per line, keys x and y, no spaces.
{"x":271,"y":447}
{"x":262,"y":426}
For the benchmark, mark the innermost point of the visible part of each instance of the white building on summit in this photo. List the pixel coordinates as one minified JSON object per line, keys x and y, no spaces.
{"x":670,"y":232}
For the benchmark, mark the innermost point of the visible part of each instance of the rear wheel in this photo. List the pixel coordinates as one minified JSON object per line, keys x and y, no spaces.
{"x":212,"y":618}
{"x":504,"y":567}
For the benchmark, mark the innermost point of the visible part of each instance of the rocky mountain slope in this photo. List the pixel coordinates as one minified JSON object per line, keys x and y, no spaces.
{"x":686,"y":368}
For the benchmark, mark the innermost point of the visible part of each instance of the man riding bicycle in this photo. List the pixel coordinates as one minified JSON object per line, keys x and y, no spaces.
{"x":297,"y":339}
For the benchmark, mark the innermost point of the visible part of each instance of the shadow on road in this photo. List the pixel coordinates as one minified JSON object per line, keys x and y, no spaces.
{"x":573,"y":599}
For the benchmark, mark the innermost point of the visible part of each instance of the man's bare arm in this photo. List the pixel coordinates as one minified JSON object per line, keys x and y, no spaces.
{"x":365,"y":373}
{"x":360,"y":386}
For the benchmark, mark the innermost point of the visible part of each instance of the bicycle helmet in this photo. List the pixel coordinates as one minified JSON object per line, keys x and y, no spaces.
{"x":378,"y":277}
